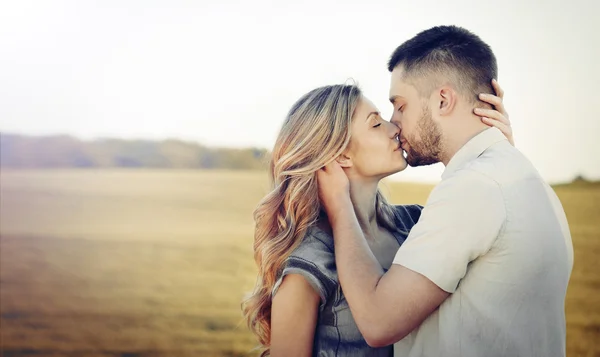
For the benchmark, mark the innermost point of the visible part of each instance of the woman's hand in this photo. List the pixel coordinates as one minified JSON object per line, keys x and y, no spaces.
{"x":497,"y":117}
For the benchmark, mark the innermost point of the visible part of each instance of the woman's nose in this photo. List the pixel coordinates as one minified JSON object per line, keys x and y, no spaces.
{"x":393,"y":129}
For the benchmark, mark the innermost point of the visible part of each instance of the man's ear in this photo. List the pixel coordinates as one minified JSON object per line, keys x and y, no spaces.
{"x":344,"y":161}
{"x":447,"y":100}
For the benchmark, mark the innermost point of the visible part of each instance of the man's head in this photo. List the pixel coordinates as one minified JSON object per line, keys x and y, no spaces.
{"x":436,"y":78}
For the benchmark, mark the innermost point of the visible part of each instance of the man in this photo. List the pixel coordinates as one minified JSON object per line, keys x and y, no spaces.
{"x":485,"y":270}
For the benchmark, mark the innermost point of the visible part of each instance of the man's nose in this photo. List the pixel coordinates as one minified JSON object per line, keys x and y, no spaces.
{"x":396,"y":122}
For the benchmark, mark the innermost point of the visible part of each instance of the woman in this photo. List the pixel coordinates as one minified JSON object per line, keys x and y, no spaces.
{"x":297,"y":307}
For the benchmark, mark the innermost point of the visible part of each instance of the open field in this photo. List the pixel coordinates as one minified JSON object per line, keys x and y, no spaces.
{"x":147,"y":263}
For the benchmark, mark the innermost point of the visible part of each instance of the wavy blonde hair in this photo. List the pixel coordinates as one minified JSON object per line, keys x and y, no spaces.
{"x":315,"y":132}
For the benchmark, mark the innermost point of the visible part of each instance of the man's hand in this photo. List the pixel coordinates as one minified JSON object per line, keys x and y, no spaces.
{"x":334,"y":188}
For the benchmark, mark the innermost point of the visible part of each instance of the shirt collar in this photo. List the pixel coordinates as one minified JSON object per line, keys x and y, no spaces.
{"x":473,"y":149}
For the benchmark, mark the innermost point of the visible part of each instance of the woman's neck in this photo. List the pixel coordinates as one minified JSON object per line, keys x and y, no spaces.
{"x":363,"y":195}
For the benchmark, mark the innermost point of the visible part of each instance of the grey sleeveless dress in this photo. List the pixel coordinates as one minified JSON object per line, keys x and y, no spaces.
{"x":336,"y":333}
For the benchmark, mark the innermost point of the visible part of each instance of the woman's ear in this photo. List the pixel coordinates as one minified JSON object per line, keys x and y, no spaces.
{"x":344,"y":161}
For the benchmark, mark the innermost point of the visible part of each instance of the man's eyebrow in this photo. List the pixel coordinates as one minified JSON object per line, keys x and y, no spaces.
{"x":371,"y":113}
{"x":393,"y":98}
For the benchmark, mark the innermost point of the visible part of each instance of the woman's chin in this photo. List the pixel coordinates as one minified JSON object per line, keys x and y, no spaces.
{"x":402,"y":166}
{"x":398,"y":167}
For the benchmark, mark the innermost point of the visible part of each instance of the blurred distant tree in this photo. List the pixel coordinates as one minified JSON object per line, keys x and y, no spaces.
{"x":57,"y":151}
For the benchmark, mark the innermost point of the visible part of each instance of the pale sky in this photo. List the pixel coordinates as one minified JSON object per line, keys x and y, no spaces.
{"x":225,"y":73}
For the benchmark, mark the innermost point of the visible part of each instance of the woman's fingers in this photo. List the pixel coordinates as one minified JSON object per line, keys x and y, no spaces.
{"x":497,"y":117}
{"x":504,"y":128}
{"x":499,"y":91}
{"x":492,"y":114}
{"x":495,"y":100}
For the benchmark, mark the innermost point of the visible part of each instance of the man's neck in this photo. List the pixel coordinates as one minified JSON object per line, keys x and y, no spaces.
{"x":459,"y":136}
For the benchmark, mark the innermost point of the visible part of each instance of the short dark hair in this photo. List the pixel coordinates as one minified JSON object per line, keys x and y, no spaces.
{"x":448,"y":48}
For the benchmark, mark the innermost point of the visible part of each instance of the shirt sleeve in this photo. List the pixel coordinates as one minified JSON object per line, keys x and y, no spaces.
{"x":314,"y":261}
{"x":407,"y":216}
{"x":461,"y":220}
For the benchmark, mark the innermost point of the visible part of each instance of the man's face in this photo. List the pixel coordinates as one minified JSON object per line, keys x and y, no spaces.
{"x":420,"y":135}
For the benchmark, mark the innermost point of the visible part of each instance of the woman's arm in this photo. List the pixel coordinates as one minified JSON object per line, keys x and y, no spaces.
{"x":294,"y":317}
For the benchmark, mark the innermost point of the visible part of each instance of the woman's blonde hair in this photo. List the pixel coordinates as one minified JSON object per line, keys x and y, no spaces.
{"x":315,"y":132}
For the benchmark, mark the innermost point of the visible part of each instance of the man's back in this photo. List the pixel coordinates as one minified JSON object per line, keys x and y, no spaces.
{"x":510,"y":302}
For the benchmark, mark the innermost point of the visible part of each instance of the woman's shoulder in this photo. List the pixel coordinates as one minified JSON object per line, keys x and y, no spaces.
{"x":317,"y":244}
{"x":407,"y":215}
{"x":313,"y":259}
{"x":408,"y":209}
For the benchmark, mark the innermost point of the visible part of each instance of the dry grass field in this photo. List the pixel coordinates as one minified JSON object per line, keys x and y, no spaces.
{"x":154,"y":263}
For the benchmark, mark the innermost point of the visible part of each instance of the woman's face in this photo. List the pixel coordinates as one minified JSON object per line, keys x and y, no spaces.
{"x":374,"y":150}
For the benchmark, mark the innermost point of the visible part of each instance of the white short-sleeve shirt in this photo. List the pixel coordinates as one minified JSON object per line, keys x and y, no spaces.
{"x":495,"y":235}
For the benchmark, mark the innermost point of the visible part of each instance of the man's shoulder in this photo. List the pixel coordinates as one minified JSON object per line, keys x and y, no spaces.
{"x":469,"y":186}
{"x":472,"y":176}
{"x":501,"y":163}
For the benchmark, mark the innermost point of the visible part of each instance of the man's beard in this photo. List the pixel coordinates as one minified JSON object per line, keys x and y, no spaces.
{"x":427,"y":150}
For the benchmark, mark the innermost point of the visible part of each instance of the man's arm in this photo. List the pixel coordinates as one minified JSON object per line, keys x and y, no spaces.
{"x":388,"y":306}
{"x":459,"y":223}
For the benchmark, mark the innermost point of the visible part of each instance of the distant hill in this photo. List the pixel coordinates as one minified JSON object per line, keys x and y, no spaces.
{"x":580,"y":182}
{"x":62,"y":151}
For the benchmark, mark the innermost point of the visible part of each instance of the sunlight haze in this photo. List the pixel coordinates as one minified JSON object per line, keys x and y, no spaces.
{"x":225,"y":73}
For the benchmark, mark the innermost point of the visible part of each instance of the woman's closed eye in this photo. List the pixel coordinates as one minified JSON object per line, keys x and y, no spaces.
{"x":377,"y":120}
